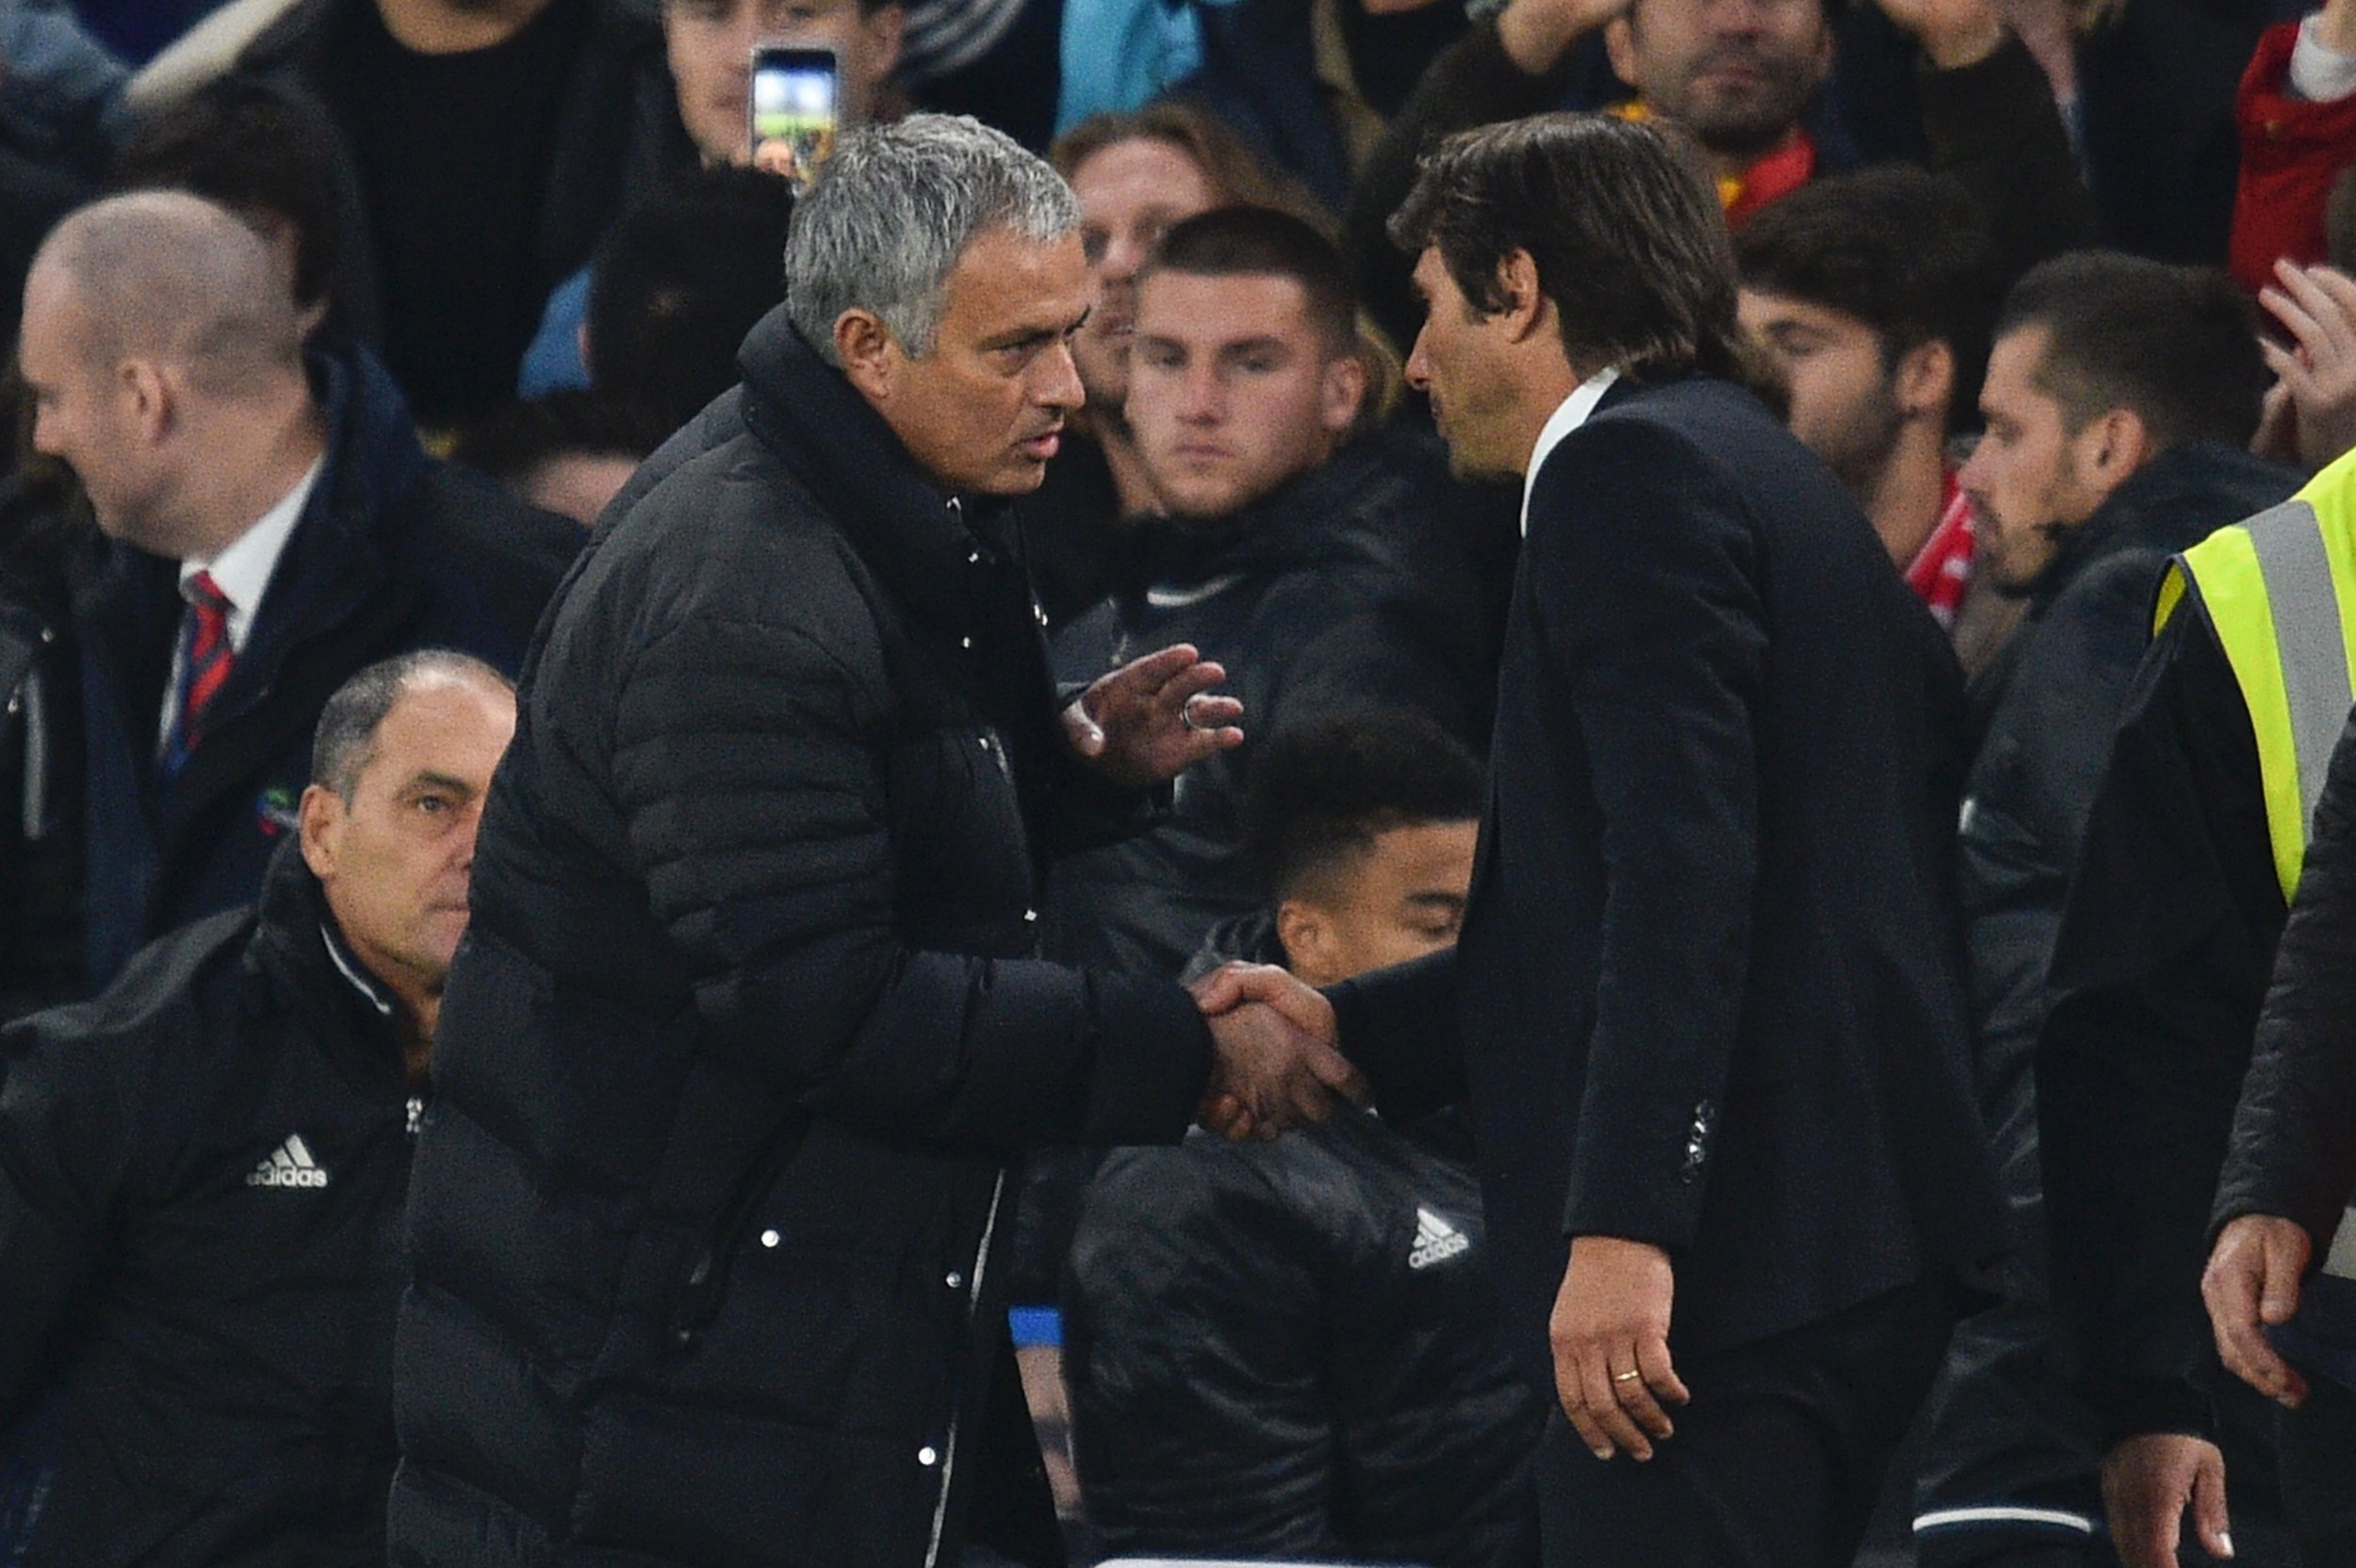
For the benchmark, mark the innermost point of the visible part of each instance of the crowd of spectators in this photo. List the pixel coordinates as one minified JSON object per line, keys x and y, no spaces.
{"x":337,"y":324}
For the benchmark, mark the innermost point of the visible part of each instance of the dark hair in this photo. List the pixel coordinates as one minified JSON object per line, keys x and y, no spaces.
{"x":1629,"y":236}
{"x":1260,"y":241}
{"x":1321,"y":791}
{"x":1239,"y":176}
{"x":249,"y":146}
{"x":1901,"y":250}
{"x":514,"y":439}
{"x":681,"y":278}
{"x":2177,"y":346}
{"x":346,"y":736}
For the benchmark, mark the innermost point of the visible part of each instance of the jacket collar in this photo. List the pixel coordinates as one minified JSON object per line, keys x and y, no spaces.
{"x":921,"y":543}
{"x":342,"y":1009}
{"x":2170,"y":503}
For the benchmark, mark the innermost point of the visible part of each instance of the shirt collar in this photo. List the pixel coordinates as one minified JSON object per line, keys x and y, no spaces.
{"x":242,"y":572}
{"x":1572,"y":413}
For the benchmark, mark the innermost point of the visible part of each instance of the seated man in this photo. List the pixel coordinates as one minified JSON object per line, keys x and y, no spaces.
{"x":1316,"y":568}
{"x":201,"y":1173}
{"x":1284,"y":1348}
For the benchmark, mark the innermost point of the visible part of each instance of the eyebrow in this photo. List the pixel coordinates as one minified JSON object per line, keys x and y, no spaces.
{"x":429,"y":779}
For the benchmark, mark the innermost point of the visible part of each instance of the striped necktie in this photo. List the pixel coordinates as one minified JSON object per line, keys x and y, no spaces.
{"x":206,"y":660}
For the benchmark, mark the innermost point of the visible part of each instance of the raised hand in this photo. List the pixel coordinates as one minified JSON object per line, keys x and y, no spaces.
{"x":1154,"y":718}
{"x":2316,"y":374}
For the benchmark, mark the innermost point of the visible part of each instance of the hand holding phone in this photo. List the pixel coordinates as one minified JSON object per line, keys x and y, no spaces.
{"x":794,"y":109}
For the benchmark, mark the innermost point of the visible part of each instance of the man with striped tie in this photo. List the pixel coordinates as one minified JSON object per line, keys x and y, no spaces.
{"x":268,"y":525}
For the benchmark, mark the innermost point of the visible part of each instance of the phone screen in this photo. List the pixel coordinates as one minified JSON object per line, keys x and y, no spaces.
{"x":794,"y":111}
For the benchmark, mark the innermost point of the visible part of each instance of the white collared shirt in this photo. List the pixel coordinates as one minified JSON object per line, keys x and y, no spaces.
{"x":1572,"y":413}
{"x":242,"y":573}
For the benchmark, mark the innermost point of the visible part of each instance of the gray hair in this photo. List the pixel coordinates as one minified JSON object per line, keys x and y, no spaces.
{"x":893,"y":208}
{"x":345,"y":741}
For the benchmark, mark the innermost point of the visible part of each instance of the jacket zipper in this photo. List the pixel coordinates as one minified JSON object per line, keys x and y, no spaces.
{"x":949,"y":1444}
{"x":33,"y":701}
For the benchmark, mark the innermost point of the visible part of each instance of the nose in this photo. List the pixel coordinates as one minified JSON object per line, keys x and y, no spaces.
{"x":1202,"y":393}
{"x":1418,"y":369}
{"x":462,"y":842}
{"x":1125,"y":252}
{"x":1058,"y":386}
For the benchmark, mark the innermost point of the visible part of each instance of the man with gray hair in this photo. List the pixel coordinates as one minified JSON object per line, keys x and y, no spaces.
{"x":202,"y":1173}
{"x":266,"y":526}
{"x":750,"y":1028}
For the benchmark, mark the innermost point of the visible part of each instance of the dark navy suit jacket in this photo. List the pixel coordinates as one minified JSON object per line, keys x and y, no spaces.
{"x":1710,"y":994}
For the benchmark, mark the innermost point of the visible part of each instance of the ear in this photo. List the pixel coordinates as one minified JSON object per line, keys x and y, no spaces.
{"x":870,"y":356}
{"x":319,"y":819}
{"x":1306,"y":938}
{"x":1925,"y":383}
{"x":1343,"y":392}
{"x":148,"y":396}
{"x":1527,"y":310}
{"x":2113,"y":446}
{"x":1619,"y":46}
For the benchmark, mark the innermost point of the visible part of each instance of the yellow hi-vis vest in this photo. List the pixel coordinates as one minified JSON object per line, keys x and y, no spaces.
{"x":2280,"y":592}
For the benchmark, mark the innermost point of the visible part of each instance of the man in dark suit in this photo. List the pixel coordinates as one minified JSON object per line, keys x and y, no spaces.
{"x":1709,"y":994}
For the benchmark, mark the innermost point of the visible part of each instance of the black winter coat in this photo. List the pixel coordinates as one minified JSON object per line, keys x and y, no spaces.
{"x":394,"y":551}
{"x":202,"y":1175}
{"x":2293,"y":1149}
{"x":1341,"y":592}
{"x":1290,"y":1348}
{"x":747,"y":1028}
{"x":2008,"y":1426}
{"x":2160,"y":965}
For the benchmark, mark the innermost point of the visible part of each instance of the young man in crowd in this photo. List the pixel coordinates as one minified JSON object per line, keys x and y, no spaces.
{"x":1312,"y":566}
{"x":2119,"y":403}
{"x":1873,"y":293}
{"x":1288,"y":1348}
{"x":203,"y":1171}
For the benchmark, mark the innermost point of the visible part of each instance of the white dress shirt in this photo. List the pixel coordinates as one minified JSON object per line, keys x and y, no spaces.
{"x":1571,"y":414}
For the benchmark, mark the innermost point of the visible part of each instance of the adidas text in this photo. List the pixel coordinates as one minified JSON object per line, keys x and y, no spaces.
{"x":290,"y":1165}
{"x":1436,"y":1240}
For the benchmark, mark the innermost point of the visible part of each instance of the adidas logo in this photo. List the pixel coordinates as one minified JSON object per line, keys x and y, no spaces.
{"x":290,"y":1165}
{"x":1436,"y":1240}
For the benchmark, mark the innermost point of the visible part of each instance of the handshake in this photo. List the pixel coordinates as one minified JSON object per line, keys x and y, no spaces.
{"x":1274,"y":1062}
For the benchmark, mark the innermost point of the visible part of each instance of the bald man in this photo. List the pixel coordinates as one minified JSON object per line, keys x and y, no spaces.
{"x":268,"y":525}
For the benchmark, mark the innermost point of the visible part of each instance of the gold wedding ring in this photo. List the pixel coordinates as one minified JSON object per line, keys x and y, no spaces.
{"x":1628,"y":1377}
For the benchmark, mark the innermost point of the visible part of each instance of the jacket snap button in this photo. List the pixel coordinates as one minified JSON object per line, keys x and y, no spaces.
{"x":956,"y":1280}
{"x":965,"y":642}
{"x":16,"y":705}
{"x":1030,"y":914}
{"x":770,"y":1238}
{"x":925,"y":1456}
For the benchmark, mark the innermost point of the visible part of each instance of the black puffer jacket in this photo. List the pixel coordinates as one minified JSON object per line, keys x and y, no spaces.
{"x":746,"y":1030}
{"x":2013,"y":1451}
{"x":1286,"y":1350}
{"x":1340,"y":592}
{"x":202,"y":1175}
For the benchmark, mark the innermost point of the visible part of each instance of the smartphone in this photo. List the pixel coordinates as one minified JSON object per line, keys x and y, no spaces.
{"x":794,"y":110}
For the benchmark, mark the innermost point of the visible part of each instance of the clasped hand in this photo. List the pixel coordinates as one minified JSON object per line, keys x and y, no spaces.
{"x":1275,"y":1064}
